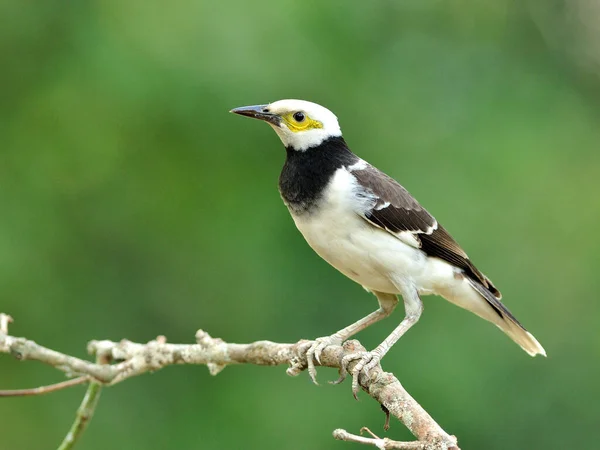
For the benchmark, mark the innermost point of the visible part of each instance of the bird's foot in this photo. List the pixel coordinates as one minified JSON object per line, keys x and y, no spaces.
{"x":367,"y":361}
{"x":315,"y":350}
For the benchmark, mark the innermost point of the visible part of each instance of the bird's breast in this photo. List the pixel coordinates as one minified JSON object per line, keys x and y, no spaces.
{"x":362,"y":252}
{"x":307,"y":174}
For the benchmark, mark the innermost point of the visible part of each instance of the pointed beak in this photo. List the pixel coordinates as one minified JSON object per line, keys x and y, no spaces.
{"x":260,"y":112}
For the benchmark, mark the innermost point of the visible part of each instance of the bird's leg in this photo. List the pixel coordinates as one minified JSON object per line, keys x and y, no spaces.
{"x":368,"y":360}
{"x":387,"y":303}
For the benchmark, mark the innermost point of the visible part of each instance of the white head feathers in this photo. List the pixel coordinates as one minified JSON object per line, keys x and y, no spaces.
{"x":303,"y":124}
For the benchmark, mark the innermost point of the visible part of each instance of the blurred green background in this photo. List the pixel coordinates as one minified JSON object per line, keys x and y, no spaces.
{"x":133,"y":204}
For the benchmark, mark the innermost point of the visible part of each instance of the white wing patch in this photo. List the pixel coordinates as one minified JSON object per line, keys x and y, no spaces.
{"x":408,"y":238}
{"x":360,"y":165}
{"x":432,"y":228}
{"x":382,"y":206}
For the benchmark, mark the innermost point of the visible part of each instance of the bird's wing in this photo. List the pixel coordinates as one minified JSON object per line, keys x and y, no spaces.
{"x":399,"y":213}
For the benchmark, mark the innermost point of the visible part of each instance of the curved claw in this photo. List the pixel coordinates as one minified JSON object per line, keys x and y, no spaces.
{"x":342,"y":377}
{"x":355,"y":384}
{"x":315,"y":351}
{"x":312,"y":372}
{"x":343,"y":371}
{"x":318,"y":350}
{"x":367,"y":362}
{"x":371,"y":365}
{"x":356,"y":373}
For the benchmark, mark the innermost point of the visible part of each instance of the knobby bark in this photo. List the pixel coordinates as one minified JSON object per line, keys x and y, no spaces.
{"x":118,"y":361}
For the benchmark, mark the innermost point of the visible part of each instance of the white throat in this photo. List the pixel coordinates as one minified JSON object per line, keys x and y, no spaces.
{"x":303,"y":140}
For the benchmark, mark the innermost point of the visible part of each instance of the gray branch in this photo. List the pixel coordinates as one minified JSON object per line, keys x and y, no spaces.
{"x":118,"y":361}
{"x":376,"y":441}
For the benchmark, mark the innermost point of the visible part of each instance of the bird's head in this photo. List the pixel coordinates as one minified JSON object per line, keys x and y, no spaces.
{"x":299,"y":124}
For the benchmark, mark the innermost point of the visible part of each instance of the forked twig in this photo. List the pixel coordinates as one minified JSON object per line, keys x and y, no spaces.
{"x":118,"y":361}
{"x":45,"y":389}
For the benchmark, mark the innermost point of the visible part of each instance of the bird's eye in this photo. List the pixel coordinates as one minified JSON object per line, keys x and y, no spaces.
{"x":299,"y":116}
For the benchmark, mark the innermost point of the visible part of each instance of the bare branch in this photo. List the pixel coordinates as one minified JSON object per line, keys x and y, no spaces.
{"x":122,"y":360}
{"x":45,"y":389}
{"x":383,"y":444}
{"x":5,"y":319}
{"x":83,"y":416}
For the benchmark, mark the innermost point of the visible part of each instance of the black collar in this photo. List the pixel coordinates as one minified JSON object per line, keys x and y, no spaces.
{"x":306,"y":173}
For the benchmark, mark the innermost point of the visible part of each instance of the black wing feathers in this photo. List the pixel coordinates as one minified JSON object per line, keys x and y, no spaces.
{"x":494,"y":301}
{"x":441,"y":244}
{"x":396,"y":211}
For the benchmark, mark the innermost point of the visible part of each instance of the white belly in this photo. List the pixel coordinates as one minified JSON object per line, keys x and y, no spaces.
{"x":337,"y":230}
{"x":373,"y":257}
{"x":364,"y":253}
{"x":347,"y":244}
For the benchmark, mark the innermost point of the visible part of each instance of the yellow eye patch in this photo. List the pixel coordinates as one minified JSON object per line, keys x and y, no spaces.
{"x":299,"y":121}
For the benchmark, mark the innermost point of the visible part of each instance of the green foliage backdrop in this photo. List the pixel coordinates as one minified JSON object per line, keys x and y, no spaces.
{"x":132,"y":204}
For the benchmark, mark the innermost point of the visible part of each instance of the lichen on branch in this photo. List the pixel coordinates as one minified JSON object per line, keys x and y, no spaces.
{"x":118,"y":361}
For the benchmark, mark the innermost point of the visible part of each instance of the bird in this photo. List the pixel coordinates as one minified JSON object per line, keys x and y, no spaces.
{"x":372,"y":230}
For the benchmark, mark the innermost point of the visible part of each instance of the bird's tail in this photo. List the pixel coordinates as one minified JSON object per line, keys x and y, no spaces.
{"x":508,"y":323}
